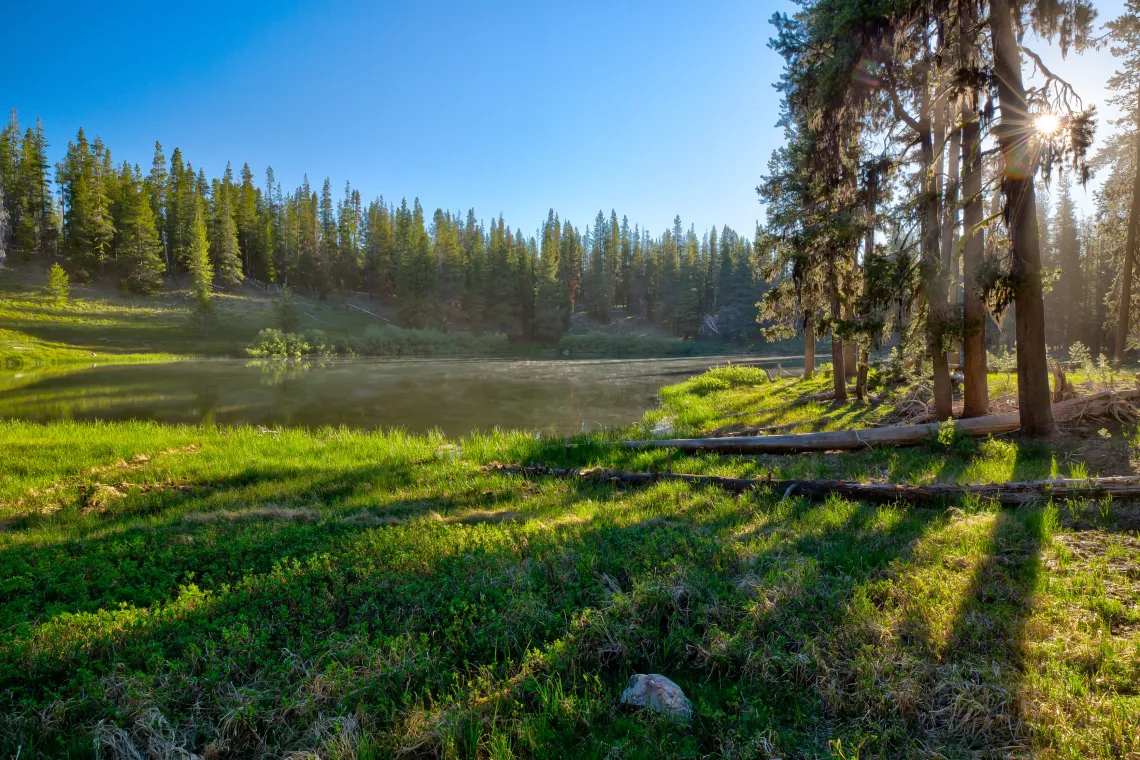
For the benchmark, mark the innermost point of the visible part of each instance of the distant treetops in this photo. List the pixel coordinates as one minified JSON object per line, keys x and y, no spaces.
{"x":451,"y":269}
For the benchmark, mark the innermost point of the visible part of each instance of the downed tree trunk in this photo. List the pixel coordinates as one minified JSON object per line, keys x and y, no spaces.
{"x":727,"y":433}
{"x":1104,"y":402}
{"x":1116,"y":488}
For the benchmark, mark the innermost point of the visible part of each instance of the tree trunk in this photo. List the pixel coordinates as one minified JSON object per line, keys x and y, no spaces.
{"x":1129,"y":253}
{"x":872,"y":194}
{"x":850,"y":348}
{"x":1021,"y":210}
{"x":838,"y":374}
{"x":934,"y":280}
{"x":976,"y":393}
{"x":1011,"y":494}
{"x":809,"y":344}
{"x":950,"y":206}
{"x":1103,"y":404}
{"x":861,"y":376}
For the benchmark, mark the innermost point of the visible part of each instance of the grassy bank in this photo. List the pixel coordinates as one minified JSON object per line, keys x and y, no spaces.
{"x":235,"y":592}
{"x":99,"y":323}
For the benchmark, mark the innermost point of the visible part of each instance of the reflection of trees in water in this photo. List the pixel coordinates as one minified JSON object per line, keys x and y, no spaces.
{"x":277,"y":372}
{"x":206,"y":402}
{"x":456,"y":397}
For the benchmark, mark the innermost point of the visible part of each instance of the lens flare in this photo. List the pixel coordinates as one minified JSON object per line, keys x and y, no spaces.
{"x":1047,"y":123}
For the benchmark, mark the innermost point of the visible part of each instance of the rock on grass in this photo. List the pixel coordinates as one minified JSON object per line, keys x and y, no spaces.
{"x":659,"y":694}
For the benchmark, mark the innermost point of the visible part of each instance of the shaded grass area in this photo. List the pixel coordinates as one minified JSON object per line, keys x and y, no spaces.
{"x":99,"y":325}
{"x":234,"y":593}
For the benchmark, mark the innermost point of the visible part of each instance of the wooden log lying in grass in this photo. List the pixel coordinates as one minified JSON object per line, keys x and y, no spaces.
{"x":1117,"y":488}
{"x":1098,"y":404}
{"x":727,"y":433}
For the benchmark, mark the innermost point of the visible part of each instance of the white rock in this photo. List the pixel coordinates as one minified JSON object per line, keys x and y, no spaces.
{"x":659,"y":694}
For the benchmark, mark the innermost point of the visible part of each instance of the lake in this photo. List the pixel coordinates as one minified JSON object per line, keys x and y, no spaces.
{"x":457,"y":396}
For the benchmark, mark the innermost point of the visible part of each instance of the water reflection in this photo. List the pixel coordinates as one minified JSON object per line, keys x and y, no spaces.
{"x":455,"y":396}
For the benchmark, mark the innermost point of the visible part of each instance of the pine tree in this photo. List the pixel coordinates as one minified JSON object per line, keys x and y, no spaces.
{"x":249,"y":227}
{"x":156,"y":186}
{"x":310,"y":268}
{"x":9,"y":167}
{"x":349,"y":223}
{"x":601,"y":286}
{"x":569,"y":256}
{"x":687,"y":312}
{"x":475,"y":269}
{"x":624,"y":294}
{"x":138,"y":250}
{"x":379,"y":267}
{"x":1125,"y":84}
{"x":224,"y":247}
{"x":3,"y":227}
{"x":329,"y":252}
{"x":198,"y":264}
{"x":552,"y":298}
{"x":1070,"y":282}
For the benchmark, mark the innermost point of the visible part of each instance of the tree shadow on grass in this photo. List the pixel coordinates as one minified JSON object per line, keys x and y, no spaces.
{"x":142,"y":546}
{"x":415,"y":611}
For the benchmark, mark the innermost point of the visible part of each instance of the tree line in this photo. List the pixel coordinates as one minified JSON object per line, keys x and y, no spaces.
{"x":904,"y":203}
{"x":449,"y":269}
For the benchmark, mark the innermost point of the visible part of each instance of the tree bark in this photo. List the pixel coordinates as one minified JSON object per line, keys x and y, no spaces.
{"x":1014,"y":138}
{"x":1125,"y":306}
{"x":850,"y":348}
{"x":933,"y":274}
{"x":976,"y":400}
{"x":809,"y":344}
{"x":872,"y":194}
{"x":1098,"y":404}
{"x":838,"y":374}
{"x":950,"y":205}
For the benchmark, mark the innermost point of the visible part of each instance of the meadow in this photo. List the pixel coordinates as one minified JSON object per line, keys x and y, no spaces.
{"x":234,"y":592}
{"x":99,"y":323}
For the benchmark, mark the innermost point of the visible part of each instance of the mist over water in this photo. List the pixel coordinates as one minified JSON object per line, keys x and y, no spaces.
{"x":456,"y":396}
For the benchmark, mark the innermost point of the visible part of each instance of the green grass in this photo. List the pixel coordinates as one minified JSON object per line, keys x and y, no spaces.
{"x":237,"y":593}
{"x":101,"y":324}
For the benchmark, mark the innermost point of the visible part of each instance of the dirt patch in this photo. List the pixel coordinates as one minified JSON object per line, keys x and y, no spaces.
{"x":98,"y":496}
{"x":366,"y":519}
{"x":478,"y":517}
{"x":138,"y":461}
{"x":266,"y":512}
{"x":1115,"y":559}
{"x":1102,"y":456}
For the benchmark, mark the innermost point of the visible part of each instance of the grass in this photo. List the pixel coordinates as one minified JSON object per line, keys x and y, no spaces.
{"x":99,"y":323}
{"x":232,"y":592}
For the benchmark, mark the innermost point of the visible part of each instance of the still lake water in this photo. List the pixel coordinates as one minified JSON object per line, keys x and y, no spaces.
{"x":457,"y":396}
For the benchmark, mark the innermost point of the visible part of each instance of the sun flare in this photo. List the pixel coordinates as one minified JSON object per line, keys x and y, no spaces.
{"x":1047,"y":123}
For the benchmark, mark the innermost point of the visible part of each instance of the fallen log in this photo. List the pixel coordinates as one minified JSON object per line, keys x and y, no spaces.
{"x":1012,"y":494}
{"x":1105,"y":402}
{"x":727,"y":433}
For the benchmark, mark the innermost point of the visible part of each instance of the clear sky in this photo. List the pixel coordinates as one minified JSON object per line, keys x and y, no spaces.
{"x":652,"y":109}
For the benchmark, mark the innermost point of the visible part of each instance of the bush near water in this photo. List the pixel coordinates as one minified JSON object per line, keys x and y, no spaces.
{"x":376,"y":341}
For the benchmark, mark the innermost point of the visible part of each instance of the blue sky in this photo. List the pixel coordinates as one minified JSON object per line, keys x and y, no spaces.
{"x":652,"y":109}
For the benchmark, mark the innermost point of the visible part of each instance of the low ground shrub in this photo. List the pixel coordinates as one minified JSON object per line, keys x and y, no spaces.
{"x":720,"y":379}
{"x":272,"y":343}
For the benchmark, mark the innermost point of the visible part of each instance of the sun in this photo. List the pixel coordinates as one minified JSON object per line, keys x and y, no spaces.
{"x":1047,"y":123}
